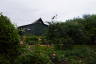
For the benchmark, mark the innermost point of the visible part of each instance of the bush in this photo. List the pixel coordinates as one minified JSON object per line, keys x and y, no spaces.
{"x":81,"y":54}
{"x":31,"y":40}
{"x":33,"y":59}
{"x":9,"y":40}
{"x":33,"y":56}
{"x":66,"y":33}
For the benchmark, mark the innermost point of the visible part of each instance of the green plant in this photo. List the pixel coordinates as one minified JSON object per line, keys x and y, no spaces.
{"x":31,"y":40}
{"x":33,"y":55}
{"x":9,"y":40}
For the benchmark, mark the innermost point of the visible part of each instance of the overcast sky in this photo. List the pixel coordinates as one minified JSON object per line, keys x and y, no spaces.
{"x":23,"y":12}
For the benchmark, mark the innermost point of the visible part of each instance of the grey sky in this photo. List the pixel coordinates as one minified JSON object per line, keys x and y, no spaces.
{"x":23,"y":12}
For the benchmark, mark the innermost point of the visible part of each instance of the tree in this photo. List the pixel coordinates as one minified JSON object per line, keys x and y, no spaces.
{"x":89,"y":24}
{"x":9,"y":41}
{"x":67,"y":33}
{"x":90,"y":27}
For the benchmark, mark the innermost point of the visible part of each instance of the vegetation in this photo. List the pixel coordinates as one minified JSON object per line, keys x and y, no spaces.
{"x":70,"y":42}
{"x":33,"y":55}
{"x":9,"y":41}
{"x":78,"y":54}
{"x":33,"y":40}
{"x":75,"y":31}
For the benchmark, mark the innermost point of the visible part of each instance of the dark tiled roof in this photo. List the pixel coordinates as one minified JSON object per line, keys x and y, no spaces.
{"x":36,"y":28}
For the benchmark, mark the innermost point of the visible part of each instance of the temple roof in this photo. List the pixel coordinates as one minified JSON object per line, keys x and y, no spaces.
{"x":39,"y":21}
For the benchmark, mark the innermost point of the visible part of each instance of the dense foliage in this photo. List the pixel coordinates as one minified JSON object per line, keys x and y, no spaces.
{"x":69,"y":41}
{"x":78,"y":54}
{"x":75,"y":31}
{"x":62,"y":36}
{"x":33,"y":40}
{"x":9,"y":41}
{"x":34,"y":54}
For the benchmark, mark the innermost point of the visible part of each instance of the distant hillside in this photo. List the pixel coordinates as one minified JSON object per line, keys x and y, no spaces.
{"x":36,"y":28}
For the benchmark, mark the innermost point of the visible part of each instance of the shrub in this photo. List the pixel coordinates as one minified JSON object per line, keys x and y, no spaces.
{"x":9,"y":40}
{"x":31,"y":40}
{"x":33,"y":56}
